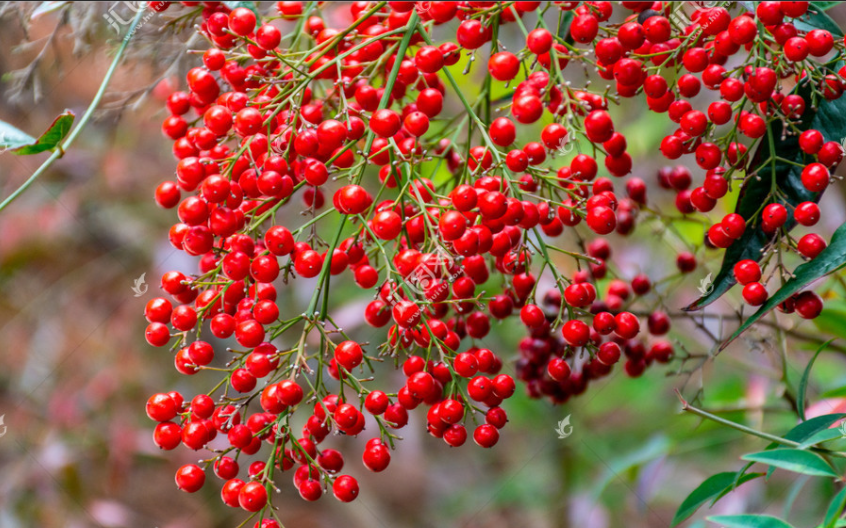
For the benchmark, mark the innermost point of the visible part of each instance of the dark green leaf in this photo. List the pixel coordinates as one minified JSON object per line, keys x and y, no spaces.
{"x":564,"y":20}
{"x":714,"y":486}
{"x":817,"y":19}
{"x":803,"y":385}
{"x":749,"y":521}
{"x":828,"y":119}
{"x":826,"y":435}
{"x":795,"y":460}
{"x":22,"y":144}
{"x":829,"y":260}
{"x":809,"y":428}
{"x":832,"y":320}
{"x":835,"y":509}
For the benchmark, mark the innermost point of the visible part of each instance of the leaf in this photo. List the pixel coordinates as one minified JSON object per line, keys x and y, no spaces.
{"x":832,"y":319}
{"x":803,"y":385}
{"x":835,"y":509}
{"x":564,"y":20}
{"x":804,"y":462}
{"x":808,"y":428}
{"x":829,"y":260}
{"x":23,"y":144}
{"x":828,"y":119}
{"x":46,"y":7}
{"x":823,"y":6}
{"x":749,"y":521}
{"x":839,"y":392}
{"x":12,"y":138}
{"x":826,"y":435}
{"x":713,"y":486}
{"x":818,"y":20}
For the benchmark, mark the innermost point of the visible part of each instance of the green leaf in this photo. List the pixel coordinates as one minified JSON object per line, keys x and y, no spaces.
{"x":803,"y":385}
{"x":818,"y":20}
{"x":749,"y":521}
{"x":832,"y":320}
{"x":714,"y":486}
{"x":12,"y":138}
{"x":839,"y":392}
{"x":46,"y":7}
{"x":564,"y":20}
{"x":804,"y":462}
{"x":22,"y":144}
{"x":807,"y":429}
{"x":829,"y":260}
{"x":828,"y":119}
{"x":835,"y":509}
{"x":826,"y":435}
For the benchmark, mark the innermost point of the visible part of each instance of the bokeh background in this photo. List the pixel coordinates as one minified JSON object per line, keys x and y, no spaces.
{"x":75,"y":371}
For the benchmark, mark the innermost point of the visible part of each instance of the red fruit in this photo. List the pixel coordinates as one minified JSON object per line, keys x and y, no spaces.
{"x":345,"y":488}
{"x":503,"y":66}
{"x":747,"y":271}
{"x":190,"y":478}
{"x":755,"y":294}
{"x":575,"y":332}
{"x":539,"y":41}
{"x":385,"y":123}
{"x":348,"y":354}
{"x":811,"y":245}
{"x":808,"y":305}
{"x":815,"y":177}
{"x":486,"y":435}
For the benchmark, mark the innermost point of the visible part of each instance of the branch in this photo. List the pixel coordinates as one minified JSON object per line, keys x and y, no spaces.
{"x":60,"y":149}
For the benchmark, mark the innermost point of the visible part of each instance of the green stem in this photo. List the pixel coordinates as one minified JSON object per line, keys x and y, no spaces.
{"x":748,"y":430}
{"x":60,"y":150}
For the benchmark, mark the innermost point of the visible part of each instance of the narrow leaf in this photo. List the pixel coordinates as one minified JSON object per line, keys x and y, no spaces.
{"x":803,"y":385}
{"x":804,"y":462}
{"x":828,"y":119}
{"x":829,"y":260}
{"x":823,"y":6}
{"x":12,"y":138}
{"x":835,"y":509}
{"x":808,"y":428}
{"x":832,"y":319}
{"x":749,"y":521}
{"x":714,"y":486}
{"x":23,"y":145}
{"x":826,"y":435}
{"x":817,"y":19}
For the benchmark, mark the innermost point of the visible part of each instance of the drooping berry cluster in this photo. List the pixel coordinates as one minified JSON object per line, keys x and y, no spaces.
{"x":455,"y":223}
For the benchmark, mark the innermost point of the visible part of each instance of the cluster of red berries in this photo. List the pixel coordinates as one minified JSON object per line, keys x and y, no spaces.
{"x":262,"y":122}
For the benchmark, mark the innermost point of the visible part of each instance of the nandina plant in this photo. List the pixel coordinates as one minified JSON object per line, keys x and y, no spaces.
{"x":418,"y":192}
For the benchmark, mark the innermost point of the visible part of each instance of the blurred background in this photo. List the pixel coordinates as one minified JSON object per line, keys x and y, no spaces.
{"x":76,"y":447}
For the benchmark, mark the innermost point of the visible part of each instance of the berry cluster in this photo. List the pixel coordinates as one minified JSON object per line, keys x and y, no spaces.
{"x":439,"y":224}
